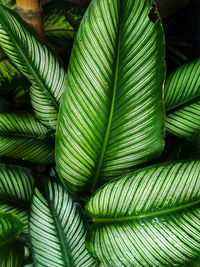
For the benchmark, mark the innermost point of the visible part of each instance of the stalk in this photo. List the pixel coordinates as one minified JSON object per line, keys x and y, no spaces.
{"x":31,"y":13}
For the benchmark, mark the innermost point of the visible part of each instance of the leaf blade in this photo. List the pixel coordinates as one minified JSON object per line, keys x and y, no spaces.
{"x":182,"y":100}
{"x":130,"y":227}
{"x":37,"y":62}
{"x":102,"y":114}
{"x":23,"y":137}
{"x":57,"y":218}
{"x":16,"y":190}
{"x":11,"y":252}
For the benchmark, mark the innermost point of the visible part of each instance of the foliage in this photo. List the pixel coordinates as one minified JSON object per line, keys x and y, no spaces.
{"x":56,"y":221}
{"x":11,"y":252}
{"x":106,"y":118}
{"x":118,"y":122}
{"x":16,"y":191}
{"x":9,"y":3}
{"x":158,"y":218}
{"x":61,"y":21}
{"x":182,"y":100}
{"x":37,"y":62}
{"x":23,"y":137}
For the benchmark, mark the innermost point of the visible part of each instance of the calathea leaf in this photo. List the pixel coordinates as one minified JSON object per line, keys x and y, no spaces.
{"x":182,"y":97}
{"x":148,"y":218}
{"x":16,"y":189}
{"x":11,"y":249}
{"x":61,"y":21}
{"x":37,"y":62}
{"x":111,"y":117}
{"x":57,"y":229}
{"x":23,"y":137}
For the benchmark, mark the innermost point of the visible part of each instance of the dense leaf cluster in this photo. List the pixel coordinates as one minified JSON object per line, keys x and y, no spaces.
{"x":85,"y":179}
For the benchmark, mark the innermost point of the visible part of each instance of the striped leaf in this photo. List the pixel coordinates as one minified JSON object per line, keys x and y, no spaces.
{"x":148,"y":218}
{"x":61,"y":21}
{"x":16,"y":190}
{"x":11,"y":250}
{"x":57,"y":229}
{"x":182,"y":97}
{"x":111,"y":117}
{"x":37,"y":62}
{"x":23,"y":137}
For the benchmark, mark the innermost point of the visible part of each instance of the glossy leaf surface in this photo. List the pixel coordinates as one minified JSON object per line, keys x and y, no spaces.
{"x":58,"y":229}
{"x":16,"y":190}
{"x":148,"y":218}
{"x":111,"y":117}
{"x":11,"y":250}
{"x":182,"y":97}
{"x":37,"y":62}
{"x":22,"y":136}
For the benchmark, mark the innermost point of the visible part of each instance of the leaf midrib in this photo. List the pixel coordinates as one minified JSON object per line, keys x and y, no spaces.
{"x":146,"y":215}
{"x":44,"y":89}
{"x":61,"y":235}
{"x":107,"y":132}
{"x":184,"y":103}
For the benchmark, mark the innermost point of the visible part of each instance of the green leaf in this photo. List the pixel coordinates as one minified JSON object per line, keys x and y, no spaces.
{"x":11,"y":249}
{"x":111,"y":117}
{"x":10,"y":78}
{"x":9,"y":3}
{"x":182,"y":98}
{"x":37,"y":62}
{"x":13,"y":85}
{"x":23,"y":137}
{"x":148,"y":218}
{"x":61,"y":21}
{"x":57,"y":229}
{"x":16,"y":190}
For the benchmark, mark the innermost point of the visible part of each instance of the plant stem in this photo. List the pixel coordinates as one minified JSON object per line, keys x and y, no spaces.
{"x":31,"y":13}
